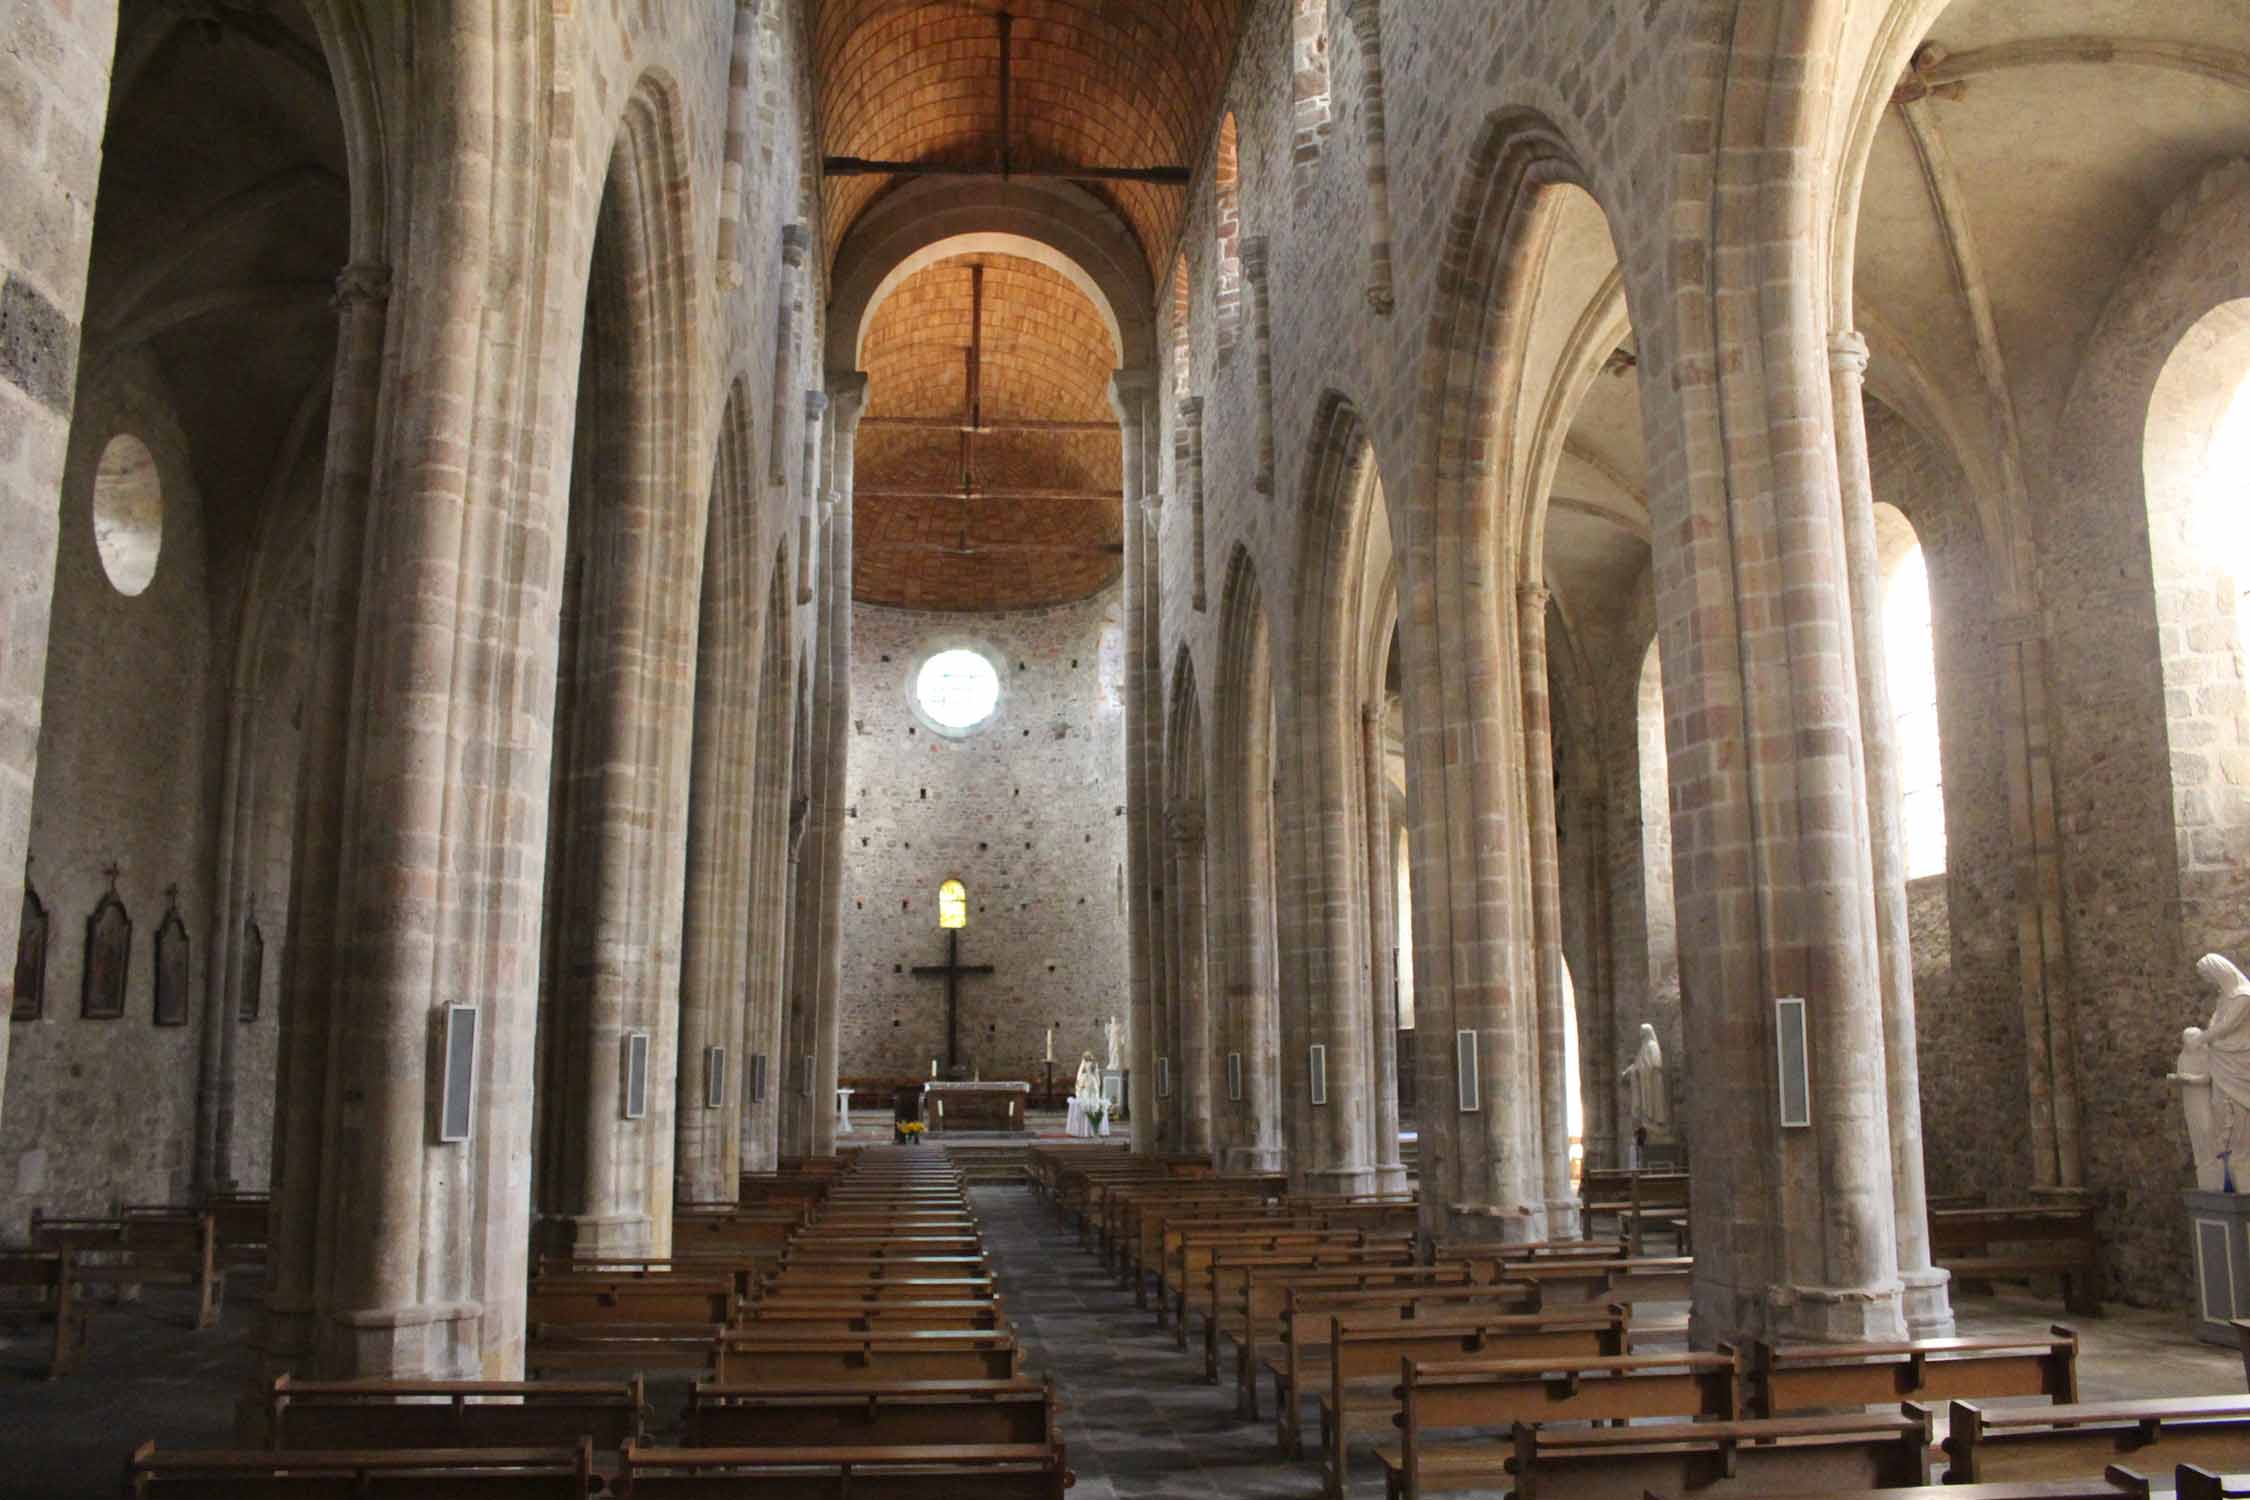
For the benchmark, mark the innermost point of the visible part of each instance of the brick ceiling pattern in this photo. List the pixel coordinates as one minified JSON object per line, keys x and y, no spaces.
{"x":1047,"y":357}
{"x":1095,"y":83}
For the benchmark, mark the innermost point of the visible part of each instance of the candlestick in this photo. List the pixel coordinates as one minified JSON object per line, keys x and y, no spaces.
{"x":1050,"y":1044}
{"x":933,"y":1067}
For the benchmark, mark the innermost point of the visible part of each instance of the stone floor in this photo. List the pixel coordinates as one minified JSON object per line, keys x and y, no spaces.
{"x":1137,"y":1422}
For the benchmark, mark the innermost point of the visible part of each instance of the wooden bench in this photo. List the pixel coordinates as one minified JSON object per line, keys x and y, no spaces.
{"x":1566,"y":1281}
{"x":1810,"y":1377}
{"x":1826,"y":1456}
{"x":2004,"y":1244}
{"x":813,"y":1317}
{"x":1513,"y":1356}
{"x":410,"y":1474}
{"x":352,"y":1416}
{"x":2004,"y":1444}
{"x":946,"y":1471}
{"x":671,"y":1348}
{"x":243,"y":1224}
{"x":1658,"y":1201}
{"x":579,"y":1299}
{"x":749,"y":1357}
{"x":1187,"y":1256}
{"x":1253,"y":1298}
{"x":877,"y":1415}
{"x":2194,"y":1483}
{"x":44,"y":1284}
{"x":142,"y":1247}
{"x":1298,"y":1359}
{"x":1225,"y":1270}
{"x":2114,"y":1484}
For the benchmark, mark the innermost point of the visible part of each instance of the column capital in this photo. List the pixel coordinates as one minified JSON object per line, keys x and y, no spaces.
{"x":816,"y":405}
{"x":362,"y":282}
{"x":1847,"y":352}
{"x":1254,"y":258}
{"x":1184,"y":824}
{"x":1366,"y":17}
{"x":847,"y":400}
{"x":1131,"y":390}
{"x":1191,"y":411}
{"x":1534,"y":597}
{"x":1371,"y":715}
{"x":795,"y":240}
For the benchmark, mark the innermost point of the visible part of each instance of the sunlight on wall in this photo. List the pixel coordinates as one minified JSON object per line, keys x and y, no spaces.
{"x":1911,"y":658}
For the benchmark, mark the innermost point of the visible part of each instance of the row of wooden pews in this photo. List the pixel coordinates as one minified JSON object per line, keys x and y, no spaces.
{"x":1538,"y":1370}
{"x":859,"y":1348}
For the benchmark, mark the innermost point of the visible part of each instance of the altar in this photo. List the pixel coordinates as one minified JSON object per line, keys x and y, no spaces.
{"x":975,"y":1106}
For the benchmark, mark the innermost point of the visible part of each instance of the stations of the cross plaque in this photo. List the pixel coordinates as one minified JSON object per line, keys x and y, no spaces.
{"x":952,"y":971}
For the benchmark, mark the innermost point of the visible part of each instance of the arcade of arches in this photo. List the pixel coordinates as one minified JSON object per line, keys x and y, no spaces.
{"x":1370,"y":548}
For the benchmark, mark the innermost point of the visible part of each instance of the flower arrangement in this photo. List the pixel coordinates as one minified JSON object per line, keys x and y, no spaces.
{"x":1097,"y":1111}
{"x":911,"y":1131}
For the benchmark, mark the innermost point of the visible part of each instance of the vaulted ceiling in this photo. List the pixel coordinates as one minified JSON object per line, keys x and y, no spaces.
{"x":1108,"y":84}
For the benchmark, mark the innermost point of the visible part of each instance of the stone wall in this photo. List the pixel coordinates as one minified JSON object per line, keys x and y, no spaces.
{"x":1027,"y":810}
{"x":101,"y":1112}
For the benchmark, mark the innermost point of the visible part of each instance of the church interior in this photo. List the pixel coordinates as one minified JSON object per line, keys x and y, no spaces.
{"x":1160,"y":747}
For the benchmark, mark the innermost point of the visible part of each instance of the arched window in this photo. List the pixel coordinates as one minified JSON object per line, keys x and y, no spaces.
{"x":1910,"y":664}
{"x":952,"y":906}
{"x":1183,"y":365}
{"x":1308,"y":68}
{"x":1574,"y":1088}
{"x":2222,"y":508}
{"x":1226,"y":182}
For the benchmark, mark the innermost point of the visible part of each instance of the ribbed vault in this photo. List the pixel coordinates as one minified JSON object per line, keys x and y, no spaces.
{"x":1040,"y":521}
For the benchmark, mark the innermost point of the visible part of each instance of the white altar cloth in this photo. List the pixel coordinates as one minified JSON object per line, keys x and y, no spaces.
{"x":1078,"y":1125}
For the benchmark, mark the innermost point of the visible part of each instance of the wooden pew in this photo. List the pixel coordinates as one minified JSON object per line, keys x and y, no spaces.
{"x":1659,"y":1201}
{"x":50,"y":1279}
{"x":2193,"y":1483}
{"x":999,"y":1471}
{"x":1826,"y":1456}
{"x":876,"y":1415}
{"x":358,"y":1415}
{"x":2114,"y":1484}
{"x":409,"y":1474}
{"x":1188,"y":1251}
{"x":1565,"y":1281}
{"x":143,"y":1247}
{"x":1511,"y":1356}
{"x":616,"y":1348}
{"x":1810,"y":1377}
{"x":571,"y":1300}
{"x":2005,"y":1444}
{"x":1225,"y":1268}
{"x":2047,"y":1240}
{"x":243,"y":1224}
{"x":1298,"y":1358}
{"x":807,"y":1317}
{"x":748,"y":1357}
{"x":1252,"y":1298}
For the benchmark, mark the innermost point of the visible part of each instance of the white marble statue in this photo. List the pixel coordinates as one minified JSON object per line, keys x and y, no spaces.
{"x":1089,"y":1086}
{"x":1114,"y":1034}
{"x":2193,"y":1075}
{"x":2219,"y":1053}
{"x":1652,"y":1107}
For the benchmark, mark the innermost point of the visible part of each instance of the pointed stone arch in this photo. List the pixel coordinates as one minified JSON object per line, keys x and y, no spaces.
{"x":1184,"y":1066}
{"x":1245,"y":957}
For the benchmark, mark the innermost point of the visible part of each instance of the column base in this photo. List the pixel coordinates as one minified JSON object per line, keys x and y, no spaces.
{"x":428,"y":1341}
{"x":1562,"y":1219}
{"x":1841,"y":1315}
{"x":1928,"y":1303}
{"x":1487,"y":1223}
{"x":599,"y":1236}
{"x":1391,"y":1180}
{"x":1341,"y":1182}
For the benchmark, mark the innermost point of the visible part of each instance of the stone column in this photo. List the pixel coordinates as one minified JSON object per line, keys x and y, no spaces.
{"x":794,"y":242}
{"x":1191,"y":430}
{"x":1133,"y":395}
{"x":289,"y":1332}
{"x":54,"y":172}
{"x":1390,"y":1170}
{"x":835,"y":792}
{"x":1929,"y":1310}
{"x":1367,"y":26}
{"x":737,"y":146}
{"x":1191,"y":1082}
{"x":1254,"y":271}
{"x":1546,"y":911}
{"x":1330,"y":926}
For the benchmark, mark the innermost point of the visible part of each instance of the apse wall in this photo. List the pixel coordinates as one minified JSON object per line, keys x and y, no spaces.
{"x":1026,"y":810}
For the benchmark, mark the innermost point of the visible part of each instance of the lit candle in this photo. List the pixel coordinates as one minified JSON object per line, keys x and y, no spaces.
{"x":933,"y":1067}
{"x":1050,"y":1044}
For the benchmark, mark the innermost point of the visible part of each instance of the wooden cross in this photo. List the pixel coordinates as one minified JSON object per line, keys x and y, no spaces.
{"x":952,"y":971}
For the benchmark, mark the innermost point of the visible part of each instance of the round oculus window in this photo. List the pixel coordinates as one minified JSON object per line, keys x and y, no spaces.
{"x":957,"y":689}
{"x":128,"y":513}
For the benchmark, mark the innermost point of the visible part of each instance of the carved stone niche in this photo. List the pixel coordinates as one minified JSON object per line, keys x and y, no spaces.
{"x":30,"y":1002}
{"x":172,"y":965}
{"x":109,"y":957}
